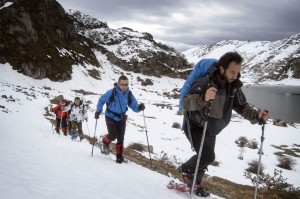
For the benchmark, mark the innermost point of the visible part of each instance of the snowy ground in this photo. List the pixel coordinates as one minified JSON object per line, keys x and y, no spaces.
{"x":35,"y":163}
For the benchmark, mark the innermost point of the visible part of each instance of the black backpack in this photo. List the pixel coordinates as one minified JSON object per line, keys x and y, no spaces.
{"x":112,"y":97}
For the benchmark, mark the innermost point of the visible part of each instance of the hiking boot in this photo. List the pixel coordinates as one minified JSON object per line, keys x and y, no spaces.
{"x":187,"y":175}
{"x":200,"y":190}
{"x":81,"y":137}
{"x":65,"y":134}
{"x":119,"y":159}
{"x":119,"y":153}
{"x":57,"y":130}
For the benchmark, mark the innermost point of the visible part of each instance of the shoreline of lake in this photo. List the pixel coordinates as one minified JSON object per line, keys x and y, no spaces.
{"x":283,"y":101}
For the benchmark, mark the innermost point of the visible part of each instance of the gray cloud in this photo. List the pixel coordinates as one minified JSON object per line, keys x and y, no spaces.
{"x":193,"y":22}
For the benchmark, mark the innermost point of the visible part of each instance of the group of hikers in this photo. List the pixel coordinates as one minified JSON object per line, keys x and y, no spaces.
{"x":207,"y":99}
{"x":69,"y":117}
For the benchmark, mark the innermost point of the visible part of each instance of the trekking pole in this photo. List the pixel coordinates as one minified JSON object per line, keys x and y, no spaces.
{"x":52,"y":123}
{"x":51,"y":119}
{"x":200,"y":149}
{"x":87,"y":125}
{"x":94,"y":137}
{"x":147,"y":139}
{"x":60,"y":124}
{"x":261,"y":122}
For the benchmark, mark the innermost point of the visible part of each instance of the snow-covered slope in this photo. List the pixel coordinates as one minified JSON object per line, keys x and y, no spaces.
{"x":35,"y":163}
{"x":263,"y":61}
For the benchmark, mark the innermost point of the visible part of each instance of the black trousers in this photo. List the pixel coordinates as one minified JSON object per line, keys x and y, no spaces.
{"x":63,"y":123}
{"x":208,"y":152}
{"x":76,"y":125}
{"x":116,"y":130}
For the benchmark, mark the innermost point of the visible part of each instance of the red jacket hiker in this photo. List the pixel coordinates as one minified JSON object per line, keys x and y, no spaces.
{"x":61,"y":117}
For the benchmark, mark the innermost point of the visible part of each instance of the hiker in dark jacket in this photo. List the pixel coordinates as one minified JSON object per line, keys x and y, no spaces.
{"x":117,"y":100}
{"x":222,"y":87}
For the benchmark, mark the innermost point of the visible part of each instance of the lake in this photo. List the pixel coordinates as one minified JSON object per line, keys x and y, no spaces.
{"x":283,"y":102}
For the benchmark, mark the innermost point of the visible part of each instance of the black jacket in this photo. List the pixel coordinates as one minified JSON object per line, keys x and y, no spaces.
{"x":228,"y":97}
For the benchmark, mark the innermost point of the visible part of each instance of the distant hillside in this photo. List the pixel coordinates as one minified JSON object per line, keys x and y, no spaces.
{"x":41,"y":40}
{"x":263,"y":60}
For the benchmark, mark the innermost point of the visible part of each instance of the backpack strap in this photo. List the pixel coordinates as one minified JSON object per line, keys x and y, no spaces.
{"x":112,"y":99}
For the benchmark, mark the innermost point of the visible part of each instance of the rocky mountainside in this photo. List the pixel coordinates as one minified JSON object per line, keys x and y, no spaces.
{"x":263,"y":60}
{"x":39,"y":39}
{"x":129,"y":49}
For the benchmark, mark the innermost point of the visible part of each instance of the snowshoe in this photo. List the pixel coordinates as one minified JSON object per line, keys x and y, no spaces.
{"x":182,"y":187}
{"x":104,"y":148}
{"x":199,"y":190}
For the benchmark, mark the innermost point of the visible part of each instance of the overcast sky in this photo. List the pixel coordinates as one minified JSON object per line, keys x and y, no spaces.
{"x":185,"y":23}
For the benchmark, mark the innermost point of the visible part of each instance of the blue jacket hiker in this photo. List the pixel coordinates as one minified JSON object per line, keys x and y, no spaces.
{"x":117,"y":101}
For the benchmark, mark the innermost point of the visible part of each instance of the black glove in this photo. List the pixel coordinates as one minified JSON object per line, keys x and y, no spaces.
{"x":97,"y":113}
{"x":141,"y":107}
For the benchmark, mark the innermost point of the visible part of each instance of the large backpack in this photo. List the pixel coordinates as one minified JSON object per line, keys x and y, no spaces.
{"x":201,"y":69}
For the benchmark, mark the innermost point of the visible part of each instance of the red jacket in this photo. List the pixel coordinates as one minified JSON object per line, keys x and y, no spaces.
{"x":59,"y":113}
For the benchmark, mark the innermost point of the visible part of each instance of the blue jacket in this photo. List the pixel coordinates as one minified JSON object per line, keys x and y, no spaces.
{"x":201,"y":69}
{"x":118,"y":107}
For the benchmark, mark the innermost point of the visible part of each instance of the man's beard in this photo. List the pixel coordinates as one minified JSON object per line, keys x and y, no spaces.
{"x":225,"y":78}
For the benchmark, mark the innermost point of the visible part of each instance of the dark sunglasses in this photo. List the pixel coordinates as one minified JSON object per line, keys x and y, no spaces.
{"x":124,"y":84}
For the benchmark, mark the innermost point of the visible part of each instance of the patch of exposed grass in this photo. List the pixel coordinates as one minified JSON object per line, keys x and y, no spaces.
{"x":286,"y":151}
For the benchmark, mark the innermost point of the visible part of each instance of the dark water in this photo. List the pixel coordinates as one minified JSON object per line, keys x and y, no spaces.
{"x":283,"y":102}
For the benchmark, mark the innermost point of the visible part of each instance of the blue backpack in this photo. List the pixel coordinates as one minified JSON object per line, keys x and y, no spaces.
{"x":201,"y":69}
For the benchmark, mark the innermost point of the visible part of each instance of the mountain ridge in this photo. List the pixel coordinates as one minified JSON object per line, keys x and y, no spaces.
{"x":263,"y":60}
{"x":42,"y":40}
